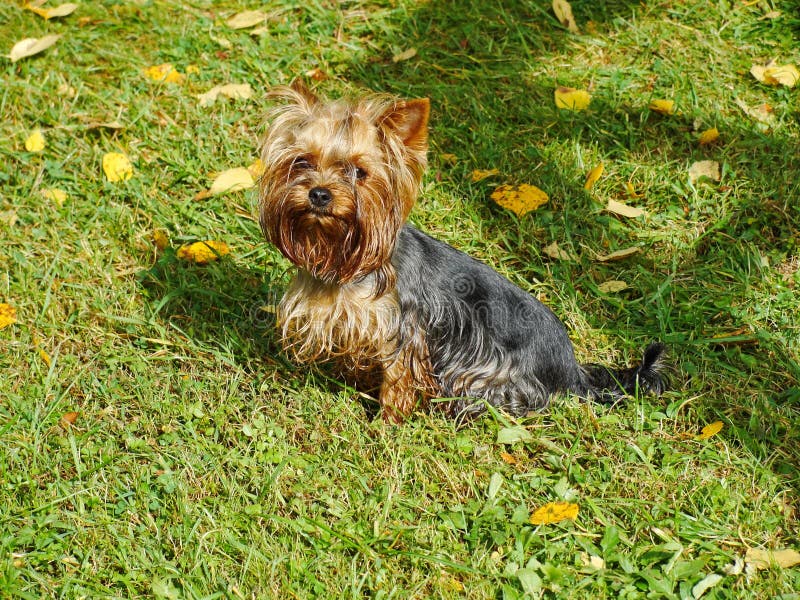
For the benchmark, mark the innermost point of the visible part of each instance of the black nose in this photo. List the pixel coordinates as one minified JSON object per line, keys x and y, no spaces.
{"x":320,"y":197}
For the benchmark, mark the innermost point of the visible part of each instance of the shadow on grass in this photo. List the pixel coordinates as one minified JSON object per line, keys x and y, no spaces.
{"x":227,"y":305}
{"x":493,"y":108}
{"x":221,"y":304}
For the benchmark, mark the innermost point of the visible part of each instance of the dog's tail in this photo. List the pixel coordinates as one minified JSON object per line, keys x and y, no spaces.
{"x":610,"y":385}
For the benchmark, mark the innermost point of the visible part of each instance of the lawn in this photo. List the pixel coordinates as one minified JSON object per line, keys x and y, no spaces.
{"x":156,"y":443}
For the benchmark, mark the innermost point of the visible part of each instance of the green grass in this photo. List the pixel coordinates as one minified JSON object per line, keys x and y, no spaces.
{"x":203,"y":464}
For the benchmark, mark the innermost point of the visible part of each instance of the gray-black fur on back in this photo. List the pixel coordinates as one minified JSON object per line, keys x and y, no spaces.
{"x":489,"y":340}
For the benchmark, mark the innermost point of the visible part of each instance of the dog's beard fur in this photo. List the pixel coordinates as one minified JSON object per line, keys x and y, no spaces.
{"x":383,"y":299}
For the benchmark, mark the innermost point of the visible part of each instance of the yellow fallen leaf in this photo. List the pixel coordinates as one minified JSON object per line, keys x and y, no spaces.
{"x":192,"y":69}
{"x":612,"y":286}
{"x":55,"y":195}
{"x":35,"y":141}
{"x":520,"y":199}
{"x":246,"y":19}
{"x":704,"y":168}
{"x":664,"y":107}
{"x":43,"y":355}
{"x":553,"y":512}
{"x":709,"y":136}
{"x":764,"y":559}
{"x":710,"y":430}
{"x":30,"y":46}
{"x":263,"y":30}
{"x":786,"y":75}
{"x":563,"y":12}
{"x":481,"y":174}
{"x":571,"y":99}
{"x":203,"y":252}
{"x":619,"y":208}
{"x":232,"y":180}
{"x":257,"y":168}
{"x":774,"y":74}
{"x":405,"y":55}
{"x":164,"y":72}
{"x":117,"y":167}
{"x":593,"y":176}
{"x":51,"y":13}
{"x":618,"y":255}
{"x":236,"y":91}
{"x":160,"y":239}
{"x":631,"y":190}
{"x":593,"y":561}
{"x":8,"y":315}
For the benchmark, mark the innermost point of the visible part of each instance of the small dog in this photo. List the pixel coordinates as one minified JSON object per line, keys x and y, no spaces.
{"x":403,"y":314}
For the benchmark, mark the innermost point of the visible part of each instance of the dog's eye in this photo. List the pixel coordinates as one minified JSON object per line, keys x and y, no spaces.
{"x":360,"y":173}
{"x":302,"y":164}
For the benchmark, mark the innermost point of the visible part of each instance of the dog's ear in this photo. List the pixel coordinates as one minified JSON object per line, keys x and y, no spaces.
{"x":296,"y":93}
{"x":302,"y":90}
{"x":408,"y":119}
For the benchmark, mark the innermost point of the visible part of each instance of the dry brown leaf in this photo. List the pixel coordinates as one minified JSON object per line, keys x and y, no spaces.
{"x":30,"y":46}
{"x":113,"y":125}
{"x":236,"y":91}
{"x":317,"y":74}
{"x":246,"y":19}
{"x":618,"y":255}
{"x":8,"y":217}
{"x":563,"y":12}
{"x":232,"y":180}
{"x":774,"y":74}
{"x":51,"y":13}
{"x":764,"y":559}
{"x":612,"y":286}
{"x":405,"y":55}
{"x":708,"y":169}
{"x":555,"y":251}
{"x":508,"y":458}
{"x":619,"y":208}
{"x":68,"y":419}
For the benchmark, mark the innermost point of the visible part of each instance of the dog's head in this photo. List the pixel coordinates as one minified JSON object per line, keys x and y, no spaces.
{"x":340,"y":180}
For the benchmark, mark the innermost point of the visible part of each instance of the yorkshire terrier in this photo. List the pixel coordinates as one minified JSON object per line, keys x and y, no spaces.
{"x":402,"y":314}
